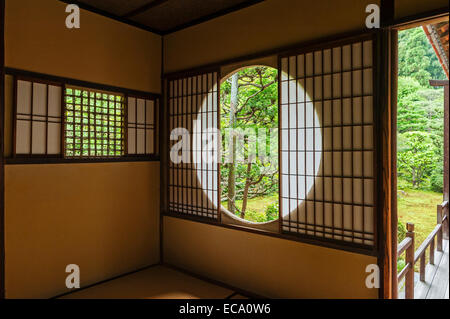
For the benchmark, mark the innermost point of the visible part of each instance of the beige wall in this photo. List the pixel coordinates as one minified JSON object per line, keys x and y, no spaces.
{"x":102,"y":50}
{"x":268,"y":266}
{"x":264,"y":26}
{"x":272,"y":24}
{"x":102,"y":216}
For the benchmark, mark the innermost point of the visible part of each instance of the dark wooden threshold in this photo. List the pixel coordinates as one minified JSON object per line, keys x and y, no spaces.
{"x":81,"y":83}
{"x":327,"y":243}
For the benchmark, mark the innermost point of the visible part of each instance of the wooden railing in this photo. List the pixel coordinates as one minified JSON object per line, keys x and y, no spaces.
{"x":412,"y":257}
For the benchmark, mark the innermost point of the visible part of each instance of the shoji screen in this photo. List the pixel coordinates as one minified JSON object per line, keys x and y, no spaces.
{"x":37,"y":118}
{"x":193,"y":116}
{"x":327,"y":142}
{"x":142,"y":126}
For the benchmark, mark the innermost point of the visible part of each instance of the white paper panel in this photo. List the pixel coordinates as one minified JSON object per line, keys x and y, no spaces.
{"x":150,"y":113}
{"x":40,"y":99}
{"x":193,"y":188}
{"x":131,"y":110}
{"x":40,"y":105}
{"x":140,"y":111}
{"x":39,"y":138}
{"x":23,"y":136}
{"x":140,"y":141}
{"x":54,"y":101}
{"x":23,"y":97}
{"x":327,"y":149}
{"x":141,"y":117}
{"x":131,"y":141}
{"x":54,"y":138}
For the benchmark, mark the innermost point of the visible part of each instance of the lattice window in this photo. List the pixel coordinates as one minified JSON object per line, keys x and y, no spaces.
{"x":61,"y":119}
{"x":327,"y":143}
{"x":194,"y":182}
{"x":37,"y":118}
{"x":94,"y":123}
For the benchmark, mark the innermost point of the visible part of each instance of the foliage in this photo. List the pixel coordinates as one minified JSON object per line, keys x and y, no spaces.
{"x":401,"y":231}
{"x":437,"y":178}
{"x":272,"y":211}
{"x":417,"y":57}
{"x":420,"y":136}
{"x":256,"y":109}
{"x":93,"y":123}
{"x":257,"y":207}
{"x":416,"y":156}
{"x":420,"y":110}
{"x":400,"y":264}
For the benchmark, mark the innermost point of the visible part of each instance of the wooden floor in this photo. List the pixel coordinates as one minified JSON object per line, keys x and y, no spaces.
{"x":436,"y":284}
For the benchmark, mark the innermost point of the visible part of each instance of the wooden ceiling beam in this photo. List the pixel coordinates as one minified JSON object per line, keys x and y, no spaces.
{"x":387,"y":8}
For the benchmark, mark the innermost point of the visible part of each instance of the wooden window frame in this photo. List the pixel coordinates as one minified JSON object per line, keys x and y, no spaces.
{"x":181,"y":90}
{"x":333,"y":231}
{"x":65,"y":83}
{"x":388,"y":123}
{"x":372,"y":250}
{"x":144,"y":126}
{"x":15,"y":114}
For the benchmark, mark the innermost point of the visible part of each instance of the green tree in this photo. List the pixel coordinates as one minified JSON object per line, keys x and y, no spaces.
{"x":420,"y":109}
{"x":417,"y":57}
{"x":249,"y":100}
{"x":416,"y":156}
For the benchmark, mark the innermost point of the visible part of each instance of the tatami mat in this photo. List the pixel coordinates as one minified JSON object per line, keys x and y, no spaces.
{"x":157,"y":282}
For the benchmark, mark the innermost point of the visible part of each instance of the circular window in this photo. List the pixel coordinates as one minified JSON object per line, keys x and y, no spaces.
{"x":252,"y":167}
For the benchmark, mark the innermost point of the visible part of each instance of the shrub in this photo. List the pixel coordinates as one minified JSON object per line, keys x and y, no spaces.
{"x":416,"y":156}
{"x":400,"y":264}
{"x":401,"y":231}
{"x":253,"y":216}
{"x":272,"y":212}
{"x":437,"y":181}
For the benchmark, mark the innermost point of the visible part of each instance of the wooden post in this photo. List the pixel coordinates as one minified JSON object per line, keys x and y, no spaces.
{"x":445,"y":225}
{"x":446,"y":153}
{"x":409,"y":277}
{"x":432,"y":251}
{"x":439,"y":233}
{"x":444,"y":84}
{"x":422,"y":266}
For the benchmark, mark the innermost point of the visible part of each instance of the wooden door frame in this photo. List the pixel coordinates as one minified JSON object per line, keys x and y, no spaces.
{"x":388,"y":143}
{"x":2,"y":167}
